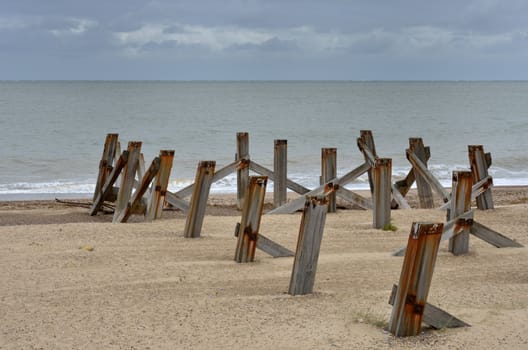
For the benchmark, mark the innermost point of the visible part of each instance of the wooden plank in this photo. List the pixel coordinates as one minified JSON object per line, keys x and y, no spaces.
{"x":127,"y":179}
{"x":354,"y":198}
{"x":420,"y":168}
{"x":451,"y":228}
{"x":460,"y":204}
{"x":106,"y":189}
{"x":161,"y":183}
{"x":425,"y":194}
{"x":272,"y":248}
{"x":308,"y":245}
{"x":225,"y":171}
{"x":353,"y":174}
{"x":493,"y":237}
{"x":242,"y":155}
{"x":415,"y":279}
{"x":136,"y":199}
{"x":476,"y":190}
{"x":433,"y":315}
{"x":280,"y":168}
{"x":248,"y":233}
{"x":298,"y":203}
{"x":105,"y":165}
{"x":329,"y":173}
{"x":403,"y":186}
{"x":259,"y":169}
{"x":202,"y":186}
{"x":368,"y":148}
{"x":398,"y":198}
{"x":177,"y":202}
{"x":480,"y":162}
{"x":381,"y":200}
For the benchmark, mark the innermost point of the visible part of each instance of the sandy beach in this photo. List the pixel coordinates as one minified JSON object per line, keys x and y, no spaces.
{"x":71,"y":281}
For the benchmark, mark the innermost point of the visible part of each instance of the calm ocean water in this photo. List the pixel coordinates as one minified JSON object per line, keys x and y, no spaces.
{"x":52,"y":133}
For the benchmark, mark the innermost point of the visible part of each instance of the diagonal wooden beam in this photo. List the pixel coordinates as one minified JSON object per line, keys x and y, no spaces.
{"x":259,"y":169}
{"x":298,"y":203}
{"x":419,"y":166}
{"x":110,"y":180}
{"x":493,"y":237}
{"x":451,"y":228}
{"x":433,"y":315}
{"x":149,"y":175}
{"x":354,"y":198}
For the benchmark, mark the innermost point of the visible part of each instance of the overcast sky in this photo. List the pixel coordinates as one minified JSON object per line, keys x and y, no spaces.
{"x":258,"y":39}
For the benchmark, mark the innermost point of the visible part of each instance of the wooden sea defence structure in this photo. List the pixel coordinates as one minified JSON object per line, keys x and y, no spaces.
{"x":124,"y":180}
{"x":409,"y":297}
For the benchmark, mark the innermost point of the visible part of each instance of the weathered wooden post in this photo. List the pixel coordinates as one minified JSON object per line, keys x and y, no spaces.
{"x":425,"y":193}
{"x":280,"y":169}
{"x":415,"y":279}
{"x":242,"y":156}
{"x":202,"y":185}
{"x":460,"y":204}
{"x":368,"y":139}
{"x":159,"y":191}
{"x":480,"y":162}
{"x":137,"y":205}
{"x":328,"y":173}
{"x":127,"y":178}
{"x":105,"y":165}
{"x":308,"y":245}
{"x":381,"y":199}
{"x":248,"y":230}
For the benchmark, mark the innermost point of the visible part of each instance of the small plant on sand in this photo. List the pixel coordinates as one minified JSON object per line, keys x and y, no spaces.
{"x":372,"y":318}
{"x":389,"y":227}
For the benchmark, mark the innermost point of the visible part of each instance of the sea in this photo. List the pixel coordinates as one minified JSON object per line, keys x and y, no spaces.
{"x":52,"y":132}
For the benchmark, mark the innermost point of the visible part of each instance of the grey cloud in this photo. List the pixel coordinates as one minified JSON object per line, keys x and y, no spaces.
{"x":273,"y":45}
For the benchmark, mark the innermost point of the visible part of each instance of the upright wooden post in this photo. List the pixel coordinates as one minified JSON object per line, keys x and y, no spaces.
{"x":105,"y":165}
{"x":159,"y":191}
{"x":415,"y":279}
{"x":460,"y":204}
{"x":328,"y":173}
{"x":250,"y":223}
{"x":381,"y":200}
{"x":280,"y":170}
{"x":242,"y":156}
{"x":480,"y":162}
{"x":425,"y":193}
{"x":308,"y":245}
{"x":202,"y":185}
{"x":127,"y":179}
{"x":368,"y":139}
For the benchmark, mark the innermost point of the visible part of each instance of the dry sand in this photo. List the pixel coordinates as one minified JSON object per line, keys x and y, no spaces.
{"x":70,"y":281}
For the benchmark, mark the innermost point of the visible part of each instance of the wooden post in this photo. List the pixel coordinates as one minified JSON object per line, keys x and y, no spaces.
{"x":202,"y":185}
{"x":368,"y":140}
{"x":308,"y":245}
{"x":242,"y":156}
{"x":480,"y":162}
{"x":250,"y":223}
{"x":157,"y":198}
{"x":105,"y":165}
{"x":136,"y":204}
{"x":425,"y":193}
{"x":382,"y":192}
{"x":329,"y":173}
{"x":460,"y":204}
{"x":415,"y":279}
{"x":107,"y":188}
{"x":127,"y":178}
{"x":280,"y":169}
